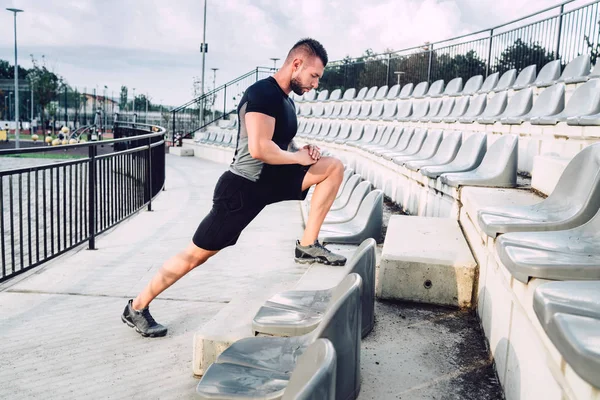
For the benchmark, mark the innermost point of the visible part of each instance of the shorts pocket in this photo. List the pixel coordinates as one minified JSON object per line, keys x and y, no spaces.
{"x":228,"y":194}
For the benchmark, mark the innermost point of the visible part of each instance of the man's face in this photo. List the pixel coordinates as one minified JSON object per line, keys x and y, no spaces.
{"x":306,"y":74}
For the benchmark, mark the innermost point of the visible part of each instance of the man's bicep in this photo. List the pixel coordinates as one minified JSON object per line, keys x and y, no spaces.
{"x":259,"y":127}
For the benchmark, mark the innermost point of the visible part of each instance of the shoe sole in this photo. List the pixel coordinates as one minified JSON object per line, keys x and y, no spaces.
{"x":129,"y":324}
{"x":320,"y":261}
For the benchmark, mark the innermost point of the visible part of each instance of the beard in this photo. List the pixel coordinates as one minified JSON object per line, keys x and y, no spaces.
{"x":297,"y":87}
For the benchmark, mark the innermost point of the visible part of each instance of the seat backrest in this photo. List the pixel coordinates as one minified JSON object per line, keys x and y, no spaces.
{"x":420,"y":89}
{"x":454,"y":86}
{"x":325,"y":128}
{"x":386,"y":133}
{"x":314,"y":374}
{"x":447,"y":106}
{"x":434,"y":107}
{"x":406,"y":91}
{"x":578,"y":67}
{"x":476,"y":105}
{"x":365,"y":109}
{"x":579,"y":183}
{"x":506,"y":81}
{"x":405,"y":139}
{"x":396,"y":134}
{"x":344,"y":131}
{"x":473,"y":85}
{"x":308,"y":127}
{"x":335,"y":95}
{"x":585,"y":100}
{"x":369,"y":132}
{"x":345,"y":109}
{"x":420,"y":109}
{"x":381,"y":92}
{"x":416,"y":142}
{"x":436,"y":88}
{"x":361,"y":94}
{"x":323,"y":95}
{"x":349,"y":94}
{"x":371,"y":93}
{"x":376,"y":109}
{"x":334,"y":130}
{"x":348,"y":188}
{"x":526,"y":76}
{"x":490,"y":83}
{"x":389,"y":109}
{"x":405,"y":108}
{"x":318,"y":109}
{"x":357,"y":131}
{"x":310,"y":96}
{"x":371,"y":202}
{"x":549,"y":72}
{"x":472,"y":151}
{"x":358,"y":194}
{"x":520,"y":103}
{"x":496,"y":105}
{"x":329,"y":108}
{"x":461,"y":106}
{"x":355,"y":109}
{"x":550,"y":102}
{"x":363,"y":262}
{"x":449,"y":146}
{"x":431,"y":143}
{"x":393,"y":92}
{"x":316,"y":128}
{"x":498,"y":154}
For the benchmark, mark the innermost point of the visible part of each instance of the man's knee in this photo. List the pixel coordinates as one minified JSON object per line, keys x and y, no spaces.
{"x":194,"y":256}
{"x":337,"y":170}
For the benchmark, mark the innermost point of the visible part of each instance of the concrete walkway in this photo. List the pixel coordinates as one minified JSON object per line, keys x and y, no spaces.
{"x":61,"y":336}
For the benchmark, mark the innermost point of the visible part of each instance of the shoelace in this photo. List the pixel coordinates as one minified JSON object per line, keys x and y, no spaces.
{"x":319,"y":245}
{"x":148,"y":317}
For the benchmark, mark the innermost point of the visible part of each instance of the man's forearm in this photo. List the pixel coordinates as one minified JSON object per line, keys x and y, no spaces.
{"x":270,"y":153}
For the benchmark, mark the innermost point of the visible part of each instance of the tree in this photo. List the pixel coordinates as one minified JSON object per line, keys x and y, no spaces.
{"x":593,"y":48}
{"x":521,"y":54}
{"x":123,"y":98}
{"x":140,"y":102}
{"x":7,"y":71}
{"x":45,"y":85}
{"x":462,"y":65}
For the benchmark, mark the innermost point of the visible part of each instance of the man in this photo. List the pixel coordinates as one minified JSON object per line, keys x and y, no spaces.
{"x":262,"y":172}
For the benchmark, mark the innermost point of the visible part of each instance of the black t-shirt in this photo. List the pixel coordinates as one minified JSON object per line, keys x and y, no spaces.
{"x":265,"y":97}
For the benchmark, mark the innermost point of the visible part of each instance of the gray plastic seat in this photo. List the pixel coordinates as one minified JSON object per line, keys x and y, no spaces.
{"x":416,"y":142}
{"x":349,"y":95}
{"x":548,"y":75}
{"x":420,"y":110}
{"x":550,"y":102}
{"x":369,"y":132}
{"x":427,"y":150}
{"x":395,"y":135}
{"x":370,"y":95}
{"x":445,"y":110}
{"x":360,"y":96}
{"x":572,"y":254}
{"x":344,"y":198}
{"x":569,"y":314}
{"x":585,"y":101}
{"x":349,"y":211}
{"x":343,"y":135}
{"x":497,"y":169}
{"x":310,"y":95}
{"x":356,"y":133}
{"x":279,"y":355}
{"x":454,"y":87}
{"x":518,"y":105}
{"x":506,"y":80}
{"x":365,"y":110}
{"x":314,"y":375}
{"x":477,"y":106}
{"x":435,"y":105}
{"x":313,"y":378}
{"x":446,"y":153}
{"x":335,"y":95}
{"x":379,"y":131}
{"x":305,"y":110}
{"x":436,"y":89}
{"x":333,"y":131}
{"x":381,"y":92}
{"x":577,"y":70}
{"x":526,"y":77}
{"x":460,"y":108}
{"x":573,"y":202}
{"x":468,"y":158}
{"x":376,"y":110}
{"x":471,"y":87}
{"x":404,"y":111}
{"x":323,"y":95}
{"x":384,"y":133}
{"x":490,"y":83}
{"x":389,"y":111}
{"x":494,"y":109}
{"x":366,"y":224}
{"x":355,"y":110}
{"x":406,"y":91}
{"x":393,"y":92}
{"x":298,"y":312}
{"x":420,"y":90}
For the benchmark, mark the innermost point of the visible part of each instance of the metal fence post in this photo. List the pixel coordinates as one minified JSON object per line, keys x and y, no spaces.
{"x":225,"y":101}
{"x":92,"y":197}
{"x":173,"y":131}
{"x":489,"y":60}
{"x":560,"y":22}
{"x":429,"y":67}
{"x":149,"y":173}
{"x":387,"y":76}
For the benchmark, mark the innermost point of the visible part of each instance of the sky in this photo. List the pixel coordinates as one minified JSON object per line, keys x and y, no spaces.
{"x":153,"y":45}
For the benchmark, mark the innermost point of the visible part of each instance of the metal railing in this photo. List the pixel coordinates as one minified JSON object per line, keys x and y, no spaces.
{"x":560,"y":32}
{"x":212,"y":106}
{"x":50,"y":208}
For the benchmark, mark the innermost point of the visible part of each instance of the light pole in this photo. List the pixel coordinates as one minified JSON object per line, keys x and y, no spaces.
{"x":203,"y":49}
{"x":104,"y":106}
{"x":146,"y":117}
{"x":31,"y":91}
{"x":15,"y":11}
{"x":398,"y":74}
{"x":133,"y":116}
{"x":274,"y":59}
{"x":214,"y":87}
{"x":10,"y":103}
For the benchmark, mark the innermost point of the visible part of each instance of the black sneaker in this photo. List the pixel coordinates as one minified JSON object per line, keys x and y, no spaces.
{"x":316,"y":252}
{"x":142,"y":321}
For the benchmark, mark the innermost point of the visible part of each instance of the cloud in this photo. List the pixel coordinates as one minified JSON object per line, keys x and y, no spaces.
{"x":153,"y":45}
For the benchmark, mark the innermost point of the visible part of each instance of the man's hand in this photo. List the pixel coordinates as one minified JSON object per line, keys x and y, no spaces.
{"x":313,"y":151}
{"x":304,"y":158}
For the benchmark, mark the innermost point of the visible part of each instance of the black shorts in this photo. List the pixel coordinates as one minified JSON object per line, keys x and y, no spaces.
{"x":237,"y":201}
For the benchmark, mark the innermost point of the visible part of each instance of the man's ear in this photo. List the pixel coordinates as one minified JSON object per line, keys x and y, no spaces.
{"x":297,"y":63}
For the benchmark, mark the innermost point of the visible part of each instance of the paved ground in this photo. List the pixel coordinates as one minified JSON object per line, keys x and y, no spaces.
{"x":61,"y":336}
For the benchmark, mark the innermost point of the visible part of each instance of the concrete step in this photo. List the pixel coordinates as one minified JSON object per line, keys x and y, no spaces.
{"x":426,"y":260}
{"x":546,"y":172}
{"x":181,"y":151}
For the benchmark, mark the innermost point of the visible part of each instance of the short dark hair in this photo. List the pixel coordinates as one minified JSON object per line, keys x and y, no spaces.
{"x":312,"y":48}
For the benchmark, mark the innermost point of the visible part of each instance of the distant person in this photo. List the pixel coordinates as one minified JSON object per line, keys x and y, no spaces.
{"x":262,"y":172}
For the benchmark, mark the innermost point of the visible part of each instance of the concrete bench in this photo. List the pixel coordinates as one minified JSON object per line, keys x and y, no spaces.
{"x":426,"y":260}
